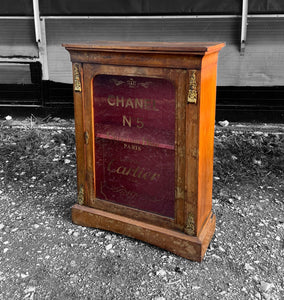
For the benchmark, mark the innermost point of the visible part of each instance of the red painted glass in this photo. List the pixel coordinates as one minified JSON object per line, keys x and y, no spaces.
{"x":134,"y":142}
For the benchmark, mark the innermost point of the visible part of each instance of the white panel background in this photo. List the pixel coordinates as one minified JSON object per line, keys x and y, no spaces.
{"x":17,"y":38}
{"x":262,"y":64}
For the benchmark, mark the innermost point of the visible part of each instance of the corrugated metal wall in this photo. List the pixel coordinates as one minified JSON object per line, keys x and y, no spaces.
{"x":250,"y":82}
{"x":138,"y":7}
{"x":262,"y":64}
{"x":17,"y":38}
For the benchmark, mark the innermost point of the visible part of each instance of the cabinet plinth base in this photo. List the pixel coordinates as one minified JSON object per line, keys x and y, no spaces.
{"x":190,"y":247}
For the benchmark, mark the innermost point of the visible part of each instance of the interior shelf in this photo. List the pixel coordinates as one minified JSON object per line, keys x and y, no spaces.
{"x":143,"y":136}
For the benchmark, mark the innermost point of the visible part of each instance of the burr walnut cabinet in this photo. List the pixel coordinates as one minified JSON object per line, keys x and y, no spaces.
{"x":144,"y":121}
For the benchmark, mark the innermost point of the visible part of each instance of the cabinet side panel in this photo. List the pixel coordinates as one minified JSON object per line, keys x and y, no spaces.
{"x":206,"y":138}
{"x":192,"y":142}
{"x":90,"y":191}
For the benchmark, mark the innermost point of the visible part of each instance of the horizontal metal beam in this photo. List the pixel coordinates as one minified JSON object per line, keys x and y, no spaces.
{"x":18,"y":59}
{"x":16,"y":18}
{"x":141,"y":17}
{"x":266,"y":16}
{"x":144,"y":17}
{"x":20,"y":105}
{"x":162,"y":17}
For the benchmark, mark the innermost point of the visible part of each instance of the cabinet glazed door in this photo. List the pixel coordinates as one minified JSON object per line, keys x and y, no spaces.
{"x":134,"y":120}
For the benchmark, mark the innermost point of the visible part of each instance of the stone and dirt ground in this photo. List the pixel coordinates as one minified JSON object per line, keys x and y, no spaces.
{"x":44,"y":256}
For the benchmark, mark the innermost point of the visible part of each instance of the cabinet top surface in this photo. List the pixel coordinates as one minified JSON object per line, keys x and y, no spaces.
{"x":126,"y":46}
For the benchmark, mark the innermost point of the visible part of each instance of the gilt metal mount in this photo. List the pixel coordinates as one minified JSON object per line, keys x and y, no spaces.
{"x":77,"y":78}
{"x":192,"y":93}
{"x":81,"y":195}
{"x":190,"y":225}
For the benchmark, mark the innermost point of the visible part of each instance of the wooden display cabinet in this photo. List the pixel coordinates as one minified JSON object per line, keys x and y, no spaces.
{"x":144,"y":119}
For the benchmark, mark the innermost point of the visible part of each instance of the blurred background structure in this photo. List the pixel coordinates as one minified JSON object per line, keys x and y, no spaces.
{"x":35,"y":70}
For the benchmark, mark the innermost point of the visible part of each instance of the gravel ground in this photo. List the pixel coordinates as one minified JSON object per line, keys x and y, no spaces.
{"x":44,"y":256}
